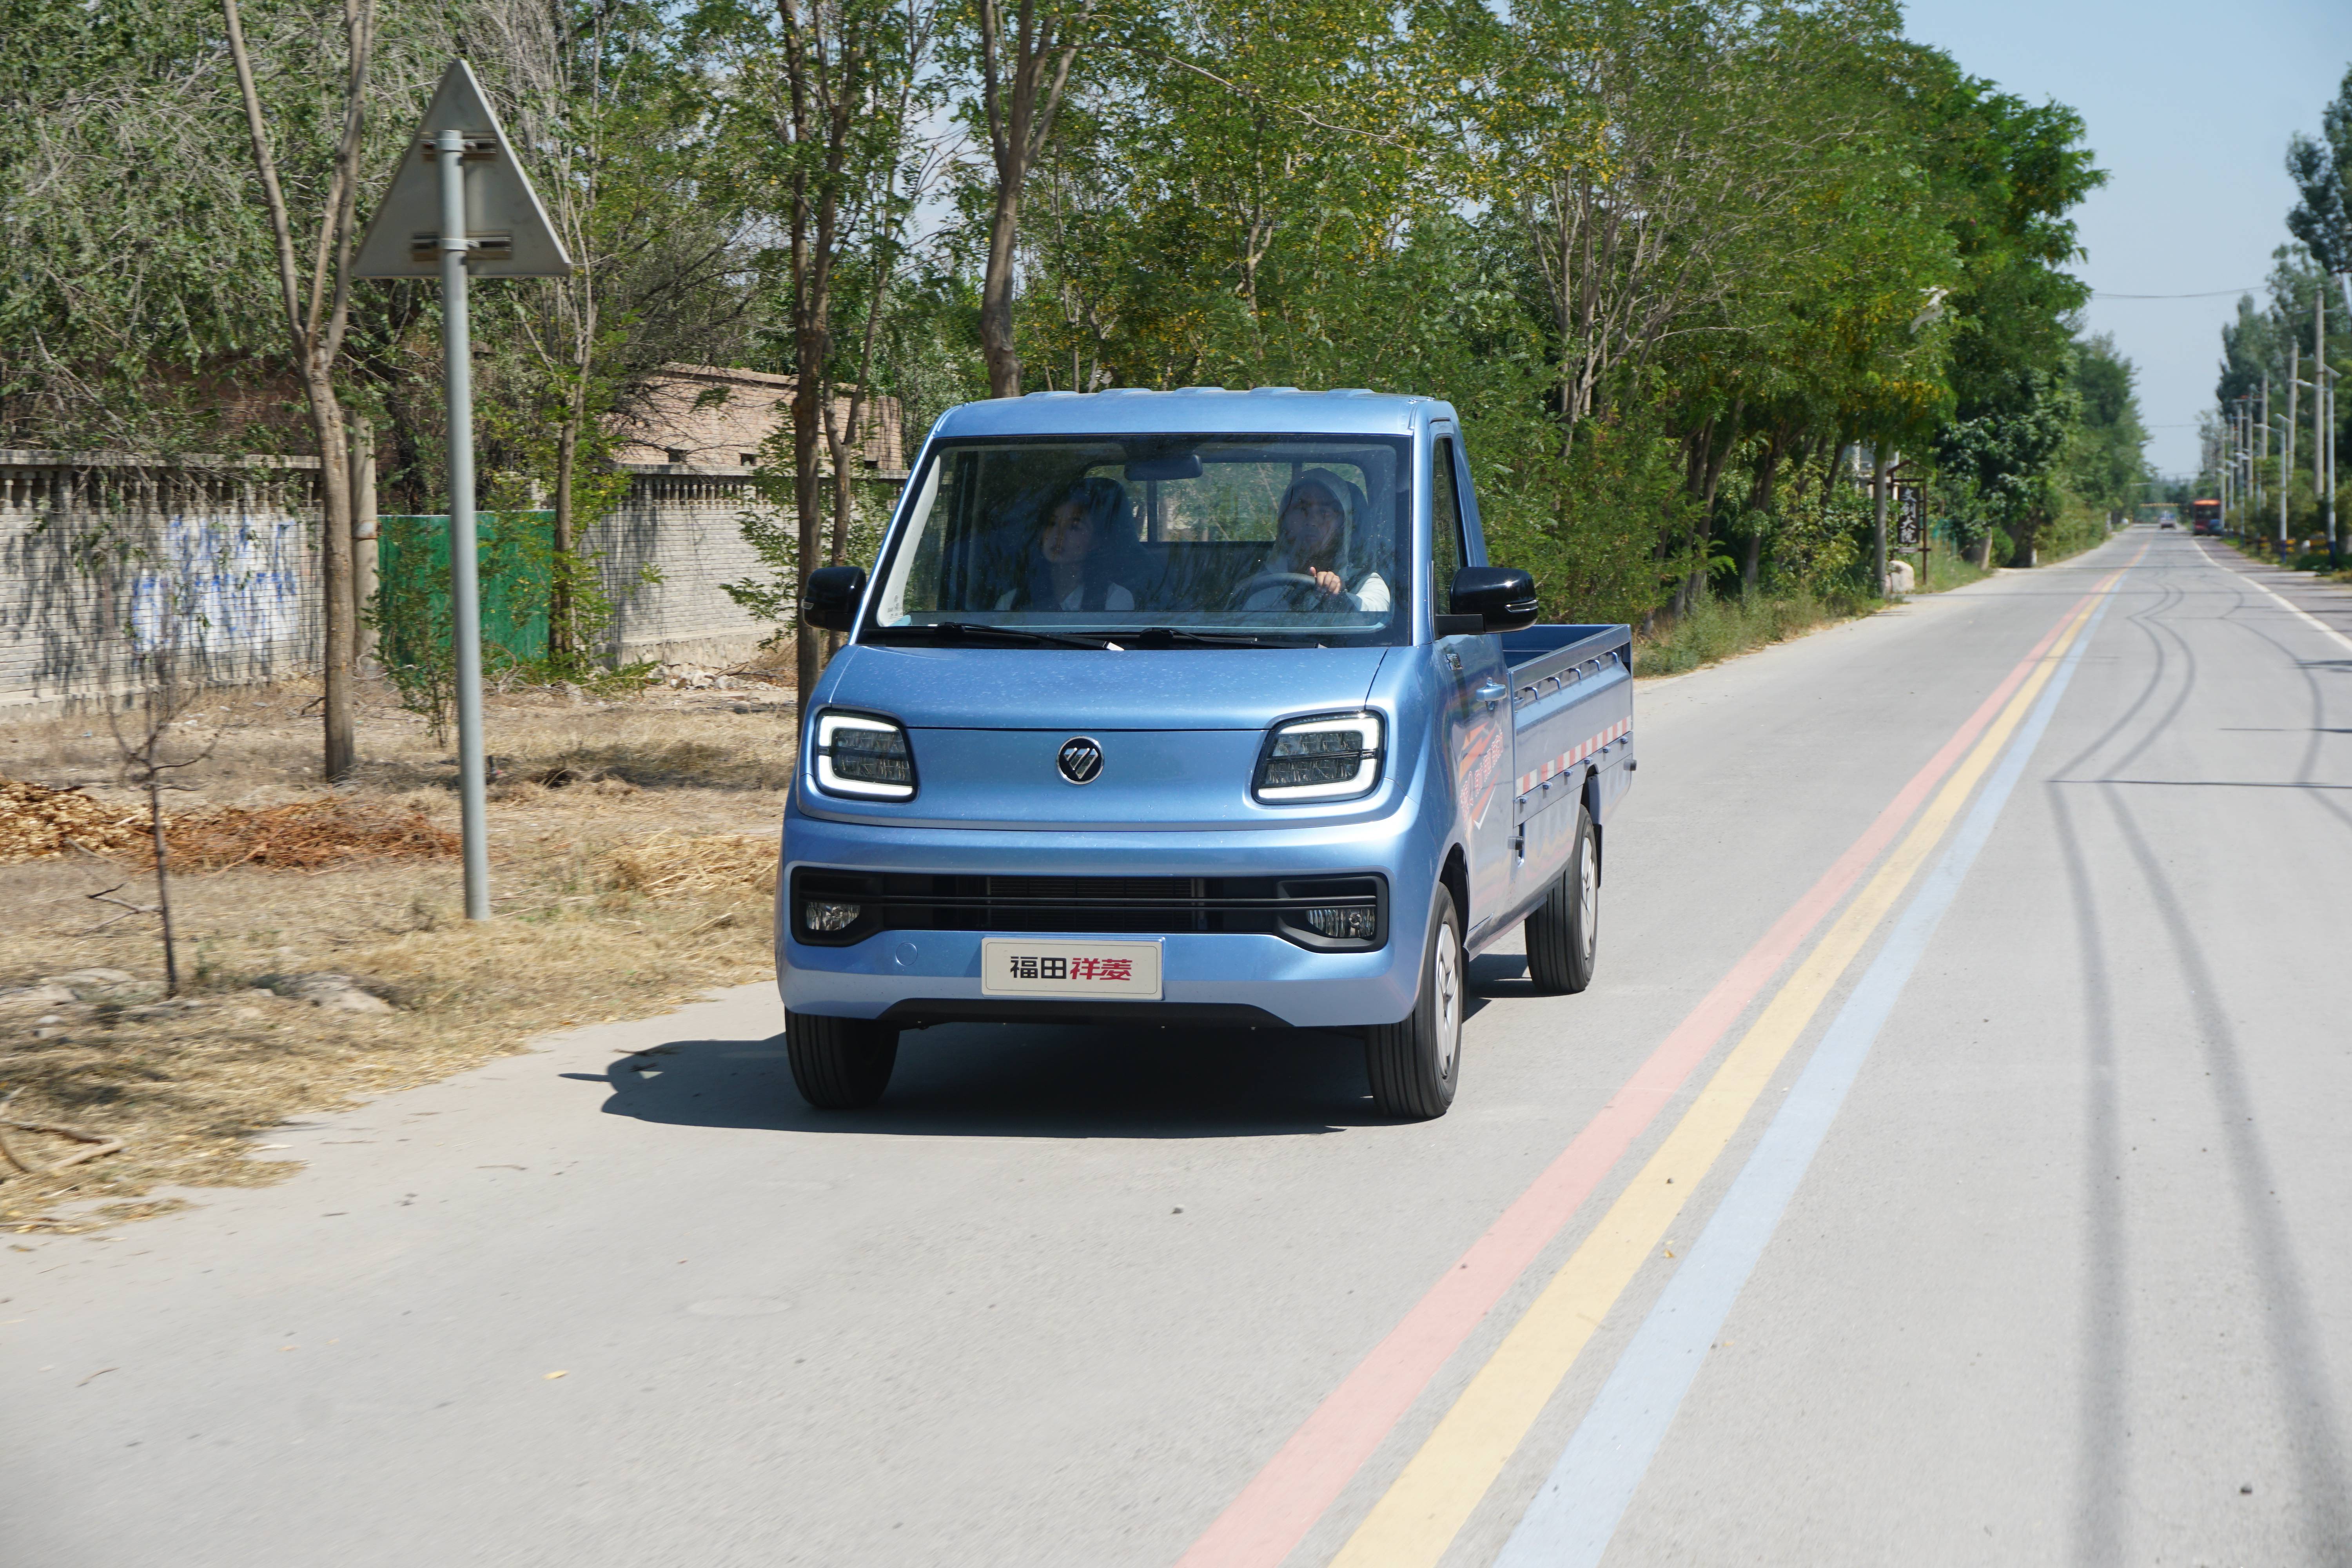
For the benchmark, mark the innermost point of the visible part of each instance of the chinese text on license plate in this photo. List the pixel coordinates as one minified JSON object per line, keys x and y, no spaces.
{"x":1052,"y":966}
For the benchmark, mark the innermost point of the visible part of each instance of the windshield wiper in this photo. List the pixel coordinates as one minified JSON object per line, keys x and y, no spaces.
{"x":957,"y":630}
{"x":1168,"y":636}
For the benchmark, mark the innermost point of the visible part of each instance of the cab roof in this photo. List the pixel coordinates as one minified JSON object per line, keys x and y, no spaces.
{"x":1193,"y":410}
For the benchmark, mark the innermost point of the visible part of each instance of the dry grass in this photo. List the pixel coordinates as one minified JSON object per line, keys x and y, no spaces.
{"x":633,"y":865}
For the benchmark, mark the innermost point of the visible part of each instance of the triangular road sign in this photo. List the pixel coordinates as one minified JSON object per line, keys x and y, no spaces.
{"x":508,"y":230}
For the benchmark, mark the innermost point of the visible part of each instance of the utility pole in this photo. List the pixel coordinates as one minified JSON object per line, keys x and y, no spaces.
{"x":2221,"y":462}
{"x":2287,"y":440}
{"x":2263,"y":454}
{"x":2322,"y":418}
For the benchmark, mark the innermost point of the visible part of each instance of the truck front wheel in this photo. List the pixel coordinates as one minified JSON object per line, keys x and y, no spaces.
{"x":1563,"y":932}
{"x":1414,"y":1064}
{"x":840,"y":1064}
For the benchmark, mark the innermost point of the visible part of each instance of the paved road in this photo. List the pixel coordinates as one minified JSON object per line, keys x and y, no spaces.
{"x":1949,"y":1165}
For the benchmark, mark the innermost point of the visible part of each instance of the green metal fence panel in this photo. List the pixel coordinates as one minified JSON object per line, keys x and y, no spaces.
{"x":514,"y":556}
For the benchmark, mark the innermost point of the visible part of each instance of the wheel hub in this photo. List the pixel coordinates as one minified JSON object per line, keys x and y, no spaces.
{"x":1447,"y":981}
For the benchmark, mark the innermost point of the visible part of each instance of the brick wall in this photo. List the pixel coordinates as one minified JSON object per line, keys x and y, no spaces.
{"x":686,"y":521}
{"x":104,"y":556}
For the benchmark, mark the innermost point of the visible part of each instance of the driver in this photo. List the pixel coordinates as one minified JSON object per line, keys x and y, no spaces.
{"x":1312,"y":530}
{"x":1089,"y":534}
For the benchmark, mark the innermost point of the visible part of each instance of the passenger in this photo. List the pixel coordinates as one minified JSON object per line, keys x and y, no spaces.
{"x":1319,"y":518}
{"x":1088,"y":535}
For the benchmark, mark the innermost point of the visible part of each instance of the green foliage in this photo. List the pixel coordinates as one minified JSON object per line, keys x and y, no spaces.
{"x":138,"y":293}
{"x":1716,"y":628}
{"x":1673,"y":259}
{"x":2321,"y":172}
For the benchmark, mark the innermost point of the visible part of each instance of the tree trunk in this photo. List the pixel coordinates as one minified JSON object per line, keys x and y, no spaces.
{"x":163,"y":879}
{"x":808,"y":505}
{"x":1759,"y":508}
{"x":1708,"y":477}
{"x":1878,"y":517}
{"x":996,"y":291}
{"x":363,"y":540}
{"x":335,"y":599}
{"x":560,"y":649}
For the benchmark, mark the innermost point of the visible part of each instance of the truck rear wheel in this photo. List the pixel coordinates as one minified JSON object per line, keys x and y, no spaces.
{"x":1564,"y":931}
{"x":840,"y":1064}
{"x":1414,"y":1064}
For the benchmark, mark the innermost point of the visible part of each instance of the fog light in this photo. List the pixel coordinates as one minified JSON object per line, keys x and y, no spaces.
{"x":829,"y":917}
{"x":1353,"y":924}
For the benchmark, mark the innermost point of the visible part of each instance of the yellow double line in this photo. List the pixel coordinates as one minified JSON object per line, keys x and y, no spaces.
{"x":1417,"y":1518}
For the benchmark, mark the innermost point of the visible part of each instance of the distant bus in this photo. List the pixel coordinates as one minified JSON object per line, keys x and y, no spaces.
{"x":2204,"y":517}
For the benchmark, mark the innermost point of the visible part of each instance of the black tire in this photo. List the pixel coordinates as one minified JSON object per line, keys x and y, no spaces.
{"x":1564,"y":931}
{"x":840,"y":1064}
{"x":1414,"y":1064}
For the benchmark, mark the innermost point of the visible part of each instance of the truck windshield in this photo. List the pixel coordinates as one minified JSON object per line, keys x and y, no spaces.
{"x":1255,"y":538}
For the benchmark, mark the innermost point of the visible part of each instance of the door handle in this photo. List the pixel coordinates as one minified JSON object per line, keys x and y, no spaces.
{"x":1492,"y":692}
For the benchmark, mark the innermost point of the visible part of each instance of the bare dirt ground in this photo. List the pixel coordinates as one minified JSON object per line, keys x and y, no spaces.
{"x":633,"y":850}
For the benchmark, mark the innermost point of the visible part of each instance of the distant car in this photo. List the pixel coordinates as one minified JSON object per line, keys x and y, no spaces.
{"x":2167,"y":523}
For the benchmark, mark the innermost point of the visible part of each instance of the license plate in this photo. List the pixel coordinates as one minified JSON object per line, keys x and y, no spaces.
{"x":1045,"y":967}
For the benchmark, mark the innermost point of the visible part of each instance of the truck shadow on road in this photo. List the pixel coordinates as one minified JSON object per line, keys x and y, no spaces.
{"x":1017,"y":1081}
{"x":1041,"y":1082}
{"x":1005,"y":1080}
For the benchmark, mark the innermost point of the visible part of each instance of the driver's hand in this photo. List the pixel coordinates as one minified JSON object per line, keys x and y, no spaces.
{"x":1329,"y":581}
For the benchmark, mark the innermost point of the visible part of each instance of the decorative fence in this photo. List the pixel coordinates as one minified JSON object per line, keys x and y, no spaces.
{"x":513,"y":556}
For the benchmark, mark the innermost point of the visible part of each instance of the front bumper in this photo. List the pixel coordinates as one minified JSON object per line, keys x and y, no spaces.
{"x":928,"y":977}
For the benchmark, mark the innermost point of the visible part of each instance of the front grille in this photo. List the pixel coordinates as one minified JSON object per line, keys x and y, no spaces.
{"x":1124,"y":906}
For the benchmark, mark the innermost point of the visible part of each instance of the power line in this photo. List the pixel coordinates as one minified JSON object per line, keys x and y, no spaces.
{"x":2209,"y":294}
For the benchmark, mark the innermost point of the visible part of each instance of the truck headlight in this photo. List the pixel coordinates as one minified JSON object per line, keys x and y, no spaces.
{"x":1332,"y":756}
{"x":859,"y":754}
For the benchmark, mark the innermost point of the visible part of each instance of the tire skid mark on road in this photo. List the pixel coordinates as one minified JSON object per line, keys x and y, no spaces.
{"x":2102,"y":1412}
{"x":1576,"y":1512}
{"x":2102,"y":1534}
{"x":2297,"y":1359}
{"x":2103,"y":1416}
{"x":2152,"y":625}
{"x":1274,"y":1513}
{"x":2318,"y":692}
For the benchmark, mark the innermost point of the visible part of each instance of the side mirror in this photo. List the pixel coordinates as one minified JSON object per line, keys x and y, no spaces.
{"x":833,"y":596}
{"x":1489,"y":599}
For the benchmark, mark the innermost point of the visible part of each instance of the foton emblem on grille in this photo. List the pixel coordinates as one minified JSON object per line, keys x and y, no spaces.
{"x":1081,"y":760}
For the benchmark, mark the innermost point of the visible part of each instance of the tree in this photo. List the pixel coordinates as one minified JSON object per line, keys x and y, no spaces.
{"x":1022,"y":74}
{"x":318,"y":314}
{"x":2321,"y":172}
{"x":609,"y":111}
{"x":2105,"y":464}
{"x":820,"y":103}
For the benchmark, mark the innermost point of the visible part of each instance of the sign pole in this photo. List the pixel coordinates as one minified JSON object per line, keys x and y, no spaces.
{"x":482,"y":222}
{"x":464,"y":588}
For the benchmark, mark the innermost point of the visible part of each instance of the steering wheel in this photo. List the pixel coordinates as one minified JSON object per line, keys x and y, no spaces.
{"x":1293,"y":581}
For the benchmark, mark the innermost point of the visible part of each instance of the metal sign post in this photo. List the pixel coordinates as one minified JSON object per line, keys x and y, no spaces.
{"x":464,"y":586}
{"x":460,"y":205}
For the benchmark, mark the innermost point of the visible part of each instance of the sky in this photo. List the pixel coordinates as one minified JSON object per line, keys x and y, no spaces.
{"x":2188,"y":108}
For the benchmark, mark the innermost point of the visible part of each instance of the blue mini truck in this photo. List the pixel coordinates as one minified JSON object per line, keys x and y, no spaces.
{"x":1191,"y":708}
